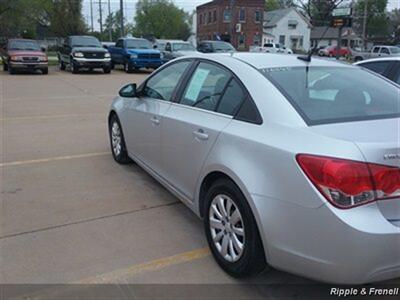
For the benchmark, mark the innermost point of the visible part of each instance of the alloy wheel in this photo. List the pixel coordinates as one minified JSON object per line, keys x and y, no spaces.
{"x":116,"y":138}
{"x":227,"y":228}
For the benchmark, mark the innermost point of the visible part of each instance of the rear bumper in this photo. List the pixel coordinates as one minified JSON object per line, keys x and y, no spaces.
{"x":28,"y":65}
{"x":92,"y":63}
{"x":146,"y":63}
{"x":327,"y":244}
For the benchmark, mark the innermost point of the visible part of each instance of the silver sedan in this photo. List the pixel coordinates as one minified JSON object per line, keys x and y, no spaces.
{"x":291,"y":164}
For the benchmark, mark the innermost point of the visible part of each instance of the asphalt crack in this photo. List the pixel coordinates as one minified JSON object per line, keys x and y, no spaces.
{"x":89,"y":220}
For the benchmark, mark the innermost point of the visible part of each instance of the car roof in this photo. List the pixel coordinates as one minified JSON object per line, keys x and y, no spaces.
{"x":389,"y":58}
{"x":270,"y":60}
{"x":133,"y":38}
{"x":210,"y":41}
{"x":172,"y":41}
{"x":16,"y":40}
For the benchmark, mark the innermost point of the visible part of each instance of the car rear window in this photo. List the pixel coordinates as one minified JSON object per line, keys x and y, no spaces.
{"x":324,"y":95}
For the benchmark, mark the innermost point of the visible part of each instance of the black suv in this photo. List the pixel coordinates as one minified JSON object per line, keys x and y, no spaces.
{"x":84,"y":52}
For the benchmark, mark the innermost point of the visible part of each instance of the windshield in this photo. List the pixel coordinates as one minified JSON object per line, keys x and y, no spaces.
{"x":85,"y":41}
{"x":395,"y":50}
{"x":336,"y":94}
{"x":24,"y":45}
{"x":182,"y":47}
{"x":138,"y":44}
{"x":221,"y":46}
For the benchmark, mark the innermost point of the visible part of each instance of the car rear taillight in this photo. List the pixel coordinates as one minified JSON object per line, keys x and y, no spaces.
{"x":347,"y":183}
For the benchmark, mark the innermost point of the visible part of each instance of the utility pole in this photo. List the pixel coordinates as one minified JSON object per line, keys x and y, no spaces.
{"x":91,"y":14}
{"x":101,"y":17}
{"x":121,"y":4}
{"x":110,"y":19}
{"x":231,"y":24}
{"x":364,"y":31}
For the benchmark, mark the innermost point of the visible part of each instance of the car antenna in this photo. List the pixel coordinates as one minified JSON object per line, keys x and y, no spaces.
{"x":307,"y":57}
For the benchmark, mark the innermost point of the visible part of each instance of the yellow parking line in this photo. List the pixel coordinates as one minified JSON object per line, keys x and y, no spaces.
{"x":50,"y":117}
{"x":50,"y":159}
{"x":153,"y":265}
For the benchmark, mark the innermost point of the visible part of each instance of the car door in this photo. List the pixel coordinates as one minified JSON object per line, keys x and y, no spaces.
{"x":117,"y":54}
{"x":381,"y":67}
{"x":144,"y":114}
{"x":384,"y":52}
{"x":191,"y":126}
{"x":65,"y":51}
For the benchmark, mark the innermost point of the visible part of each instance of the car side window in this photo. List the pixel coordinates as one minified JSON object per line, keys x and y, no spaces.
{"x":385,"y":50}
{"x":396,"y":77}
{"x":162,"y":85}
{"x":375,"y":49}
{"x":377,"y":67}
{"x":119,"y":44}
{"x":206,"y":86}
{"x":232,"y":99}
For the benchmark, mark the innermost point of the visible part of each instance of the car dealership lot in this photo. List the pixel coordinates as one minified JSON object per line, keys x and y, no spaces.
{"x":71,"y":214}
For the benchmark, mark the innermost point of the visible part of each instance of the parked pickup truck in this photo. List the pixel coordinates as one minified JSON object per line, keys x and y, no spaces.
{"x":376,"y":51}
{"x":83,"y":52}
{"x":135,"y":53}
{"x":271,"y":48}
{"x":21,"y":54}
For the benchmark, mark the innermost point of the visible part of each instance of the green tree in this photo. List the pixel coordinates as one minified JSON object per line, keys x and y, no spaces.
{"x":377,"y":17}
{"x":65,"y":17}
{"x":394,"y":17}
{"x":319,"y":12}
{"x":162,"y":19}
{"x":113,"y":21}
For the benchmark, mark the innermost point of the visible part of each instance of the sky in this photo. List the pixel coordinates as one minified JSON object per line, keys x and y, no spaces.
{"x":129,"y":8}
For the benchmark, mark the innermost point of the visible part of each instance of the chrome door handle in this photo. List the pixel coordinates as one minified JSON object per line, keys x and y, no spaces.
{"x":200,"y":135}
{"x":155,"y":121}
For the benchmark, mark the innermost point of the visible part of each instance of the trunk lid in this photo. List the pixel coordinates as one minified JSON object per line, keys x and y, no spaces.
{"x":379,"y":142}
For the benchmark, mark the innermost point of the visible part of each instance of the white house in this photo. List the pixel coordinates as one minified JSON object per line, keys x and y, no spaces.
{"x":287,"y":27}
{"x":328,"y":36}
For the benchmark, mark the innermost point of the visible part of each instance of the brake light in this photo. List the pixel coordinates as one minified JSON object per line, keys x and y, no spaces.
{"x":347,"y":183}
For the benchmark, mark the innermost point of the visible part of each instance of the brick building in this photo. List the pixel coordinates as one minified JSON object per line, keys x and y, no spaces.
{"x":239,"y":22}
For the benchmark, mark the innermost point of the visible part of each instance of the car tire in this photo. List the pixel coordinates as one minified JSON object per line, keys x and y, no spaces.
{"x":357,"y":59}
{"x":74,"y":69}
{"x":112,"y":66}
{"x":11,"y":70}
{"x":237,"y":262}
{"x":117,"y":141}
{"x":5,"y":67}
{"x":62,"y":65}
{"x":107,"y":70}
{"x":128,"y":67}
{"x":45,"y":71}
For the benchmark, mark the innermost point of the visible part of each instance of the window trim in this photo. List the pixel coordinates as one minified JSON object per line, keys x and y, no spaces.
{"x":185,"y":80}
{"x":174,"y":93}
{"x":242,"y":9}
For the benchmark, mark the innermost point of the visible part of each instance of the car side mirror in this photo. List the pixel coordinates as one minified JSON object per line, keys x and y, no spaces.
{"x":168,"y":48}
{"x":129,"y":91}
{"x":43,"y":49}
{"x":155,"y":47}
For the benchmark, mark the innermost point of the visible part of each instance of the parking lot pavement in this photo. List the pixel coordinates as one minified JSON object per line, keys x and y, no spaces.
{"x":69,"y":213}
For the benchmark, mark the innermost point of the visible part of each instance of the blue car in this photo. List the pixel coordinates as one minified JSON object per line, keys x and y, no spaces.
{"x":134,"y":54}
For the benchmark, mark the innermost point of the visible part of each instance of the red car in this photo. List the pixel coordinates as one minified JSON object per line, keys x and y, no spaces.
{"x":22,"y":54}
{"x":331,"y":51}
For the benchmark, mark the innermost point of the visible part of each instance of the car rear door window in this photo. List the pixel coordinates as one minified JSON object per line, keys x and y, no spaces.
{"x":206,"y":86}
{"x":378,"y":67}
{"x":385,"y":50}
{"x":232,"y":98}
{"x":162,"y":85}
